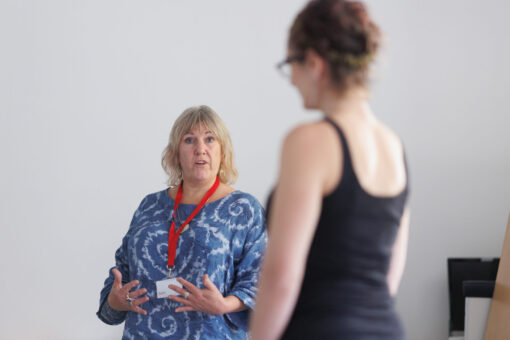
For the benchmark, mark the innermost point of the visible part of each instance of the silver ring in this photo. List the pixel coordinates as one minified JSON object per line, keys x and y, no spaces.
{"x":186,"y":295}
{"x":128,"y":299}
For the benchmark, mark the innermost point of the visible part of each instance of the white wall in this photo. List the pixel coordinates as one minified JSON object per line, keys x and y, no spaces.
{"x":89,"y":90}
{"x":446,"y":92}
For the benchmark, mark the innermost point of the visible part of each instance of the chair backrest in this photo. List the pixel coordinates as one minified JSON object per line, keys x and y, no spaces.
{"x":459,"y":270}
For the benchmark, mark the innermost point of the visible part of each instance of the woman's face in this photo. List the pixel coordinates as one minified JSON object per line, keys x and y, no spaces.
{"x":199,"y":155}
{"x":302,"y":78}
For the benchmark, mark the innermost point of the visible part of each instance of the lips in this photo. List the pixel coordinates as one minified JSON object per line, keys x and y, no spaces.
{"x":200,"y":162}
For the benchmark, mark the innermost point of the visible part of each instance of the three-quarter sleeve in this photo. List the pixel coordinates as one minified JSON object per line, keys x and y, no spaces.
{"x":247,"y":270}
{"x":106,"y":313}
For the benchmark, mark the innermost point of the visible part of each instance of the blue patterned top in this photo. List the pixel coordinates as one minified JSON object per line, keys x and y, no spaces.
{"x":226,"y":240}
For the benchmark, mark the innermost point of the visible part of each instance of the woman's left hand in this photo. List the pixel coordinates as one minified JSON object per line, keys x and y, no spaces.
{"x":208,"y":300}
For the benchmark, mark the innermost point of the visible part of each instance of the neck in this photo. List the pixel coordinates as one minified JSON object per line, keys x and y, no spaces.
{"x":354,"y":101}
{"x":193,"y":192}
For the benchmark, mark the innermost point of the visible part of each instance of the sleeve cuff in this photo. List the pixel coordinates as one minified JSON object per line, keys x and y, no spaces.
{"x":109,"y":315}
{"x":239,"y":320}
{"x":245,"y":298}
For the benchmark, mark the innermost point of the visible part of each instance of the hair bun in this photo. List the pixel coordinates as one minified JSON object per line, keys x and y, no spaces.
{"x":341,"y":32}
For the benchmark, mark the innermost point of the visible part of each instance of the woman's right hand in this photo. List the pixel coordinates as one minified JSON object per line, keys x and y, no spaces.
{"x":117,"y":299}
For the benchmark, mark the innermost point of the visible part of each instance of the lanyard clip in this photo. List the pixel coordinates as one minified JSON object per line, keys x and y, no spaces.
{"x":169,"y":271}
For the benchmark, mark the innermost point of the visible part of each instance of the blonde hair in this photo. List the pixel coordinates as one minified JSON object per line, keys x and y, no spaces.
{"x":194,"y":117}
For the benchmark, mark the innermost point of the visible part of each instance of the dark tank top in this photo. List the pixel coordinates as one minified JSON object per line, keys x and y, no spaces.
{"x":344,"y":294}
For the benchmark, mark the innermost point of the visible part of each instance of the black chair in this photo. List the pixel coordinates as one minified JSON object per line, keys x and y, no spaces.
{"x":468,"y":277}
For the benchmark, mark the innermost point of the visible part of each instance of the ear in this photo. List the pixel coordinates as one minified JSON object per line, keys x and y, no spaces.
{"x":316,"y":63}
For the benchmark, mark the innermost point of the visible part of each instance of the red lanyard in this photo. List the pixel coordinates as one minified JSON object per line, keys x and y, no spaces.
{"x":173,"y":235}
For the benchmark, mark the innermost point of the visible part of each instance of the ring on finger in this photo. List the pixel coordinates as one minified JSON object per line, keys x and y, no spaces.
{"x":186,"y":295}
{"x":130,"y":300}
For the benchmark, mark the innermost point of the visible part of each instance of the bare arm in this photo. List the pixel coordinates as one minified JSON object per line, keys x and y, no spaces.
{"x":399,"y":251}
{"x":294,"y":215}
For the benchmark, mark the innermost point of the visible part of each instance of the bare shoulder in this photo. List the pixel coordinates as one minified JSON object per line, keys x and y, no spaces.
{"x":389,"y":138}
{"x":385,"y":174}
{"x":309,"y":137}
{"x":310,"y":153}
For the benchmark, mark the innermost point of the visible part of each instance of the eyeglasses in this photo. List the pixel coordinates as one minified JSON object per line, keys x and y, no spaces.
{"x":284,"y":66}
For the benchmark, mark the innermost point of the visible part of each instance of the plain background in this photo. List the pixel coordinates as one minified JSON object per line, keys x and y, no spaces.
{"x":89,"y":91}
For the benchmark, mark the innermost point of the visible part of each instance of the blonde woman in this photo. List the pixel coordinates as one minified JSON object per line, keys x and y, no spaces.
{"x":188,"y":265}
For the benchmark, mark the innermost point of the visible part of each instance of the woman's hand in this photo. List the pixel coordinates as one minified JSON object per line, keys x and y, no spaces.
{"x":117,"y":299}
{"x":208,"y":300}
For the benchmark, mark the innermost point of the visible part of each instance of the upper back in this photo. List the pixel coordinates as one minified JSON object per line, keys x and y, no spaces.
{"x":364,"y":200}
{"x":376,"y":155}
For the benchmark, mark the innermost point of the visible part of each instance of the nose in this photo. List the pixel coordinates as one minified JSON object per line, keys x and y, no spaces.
{"x":200,"y":147}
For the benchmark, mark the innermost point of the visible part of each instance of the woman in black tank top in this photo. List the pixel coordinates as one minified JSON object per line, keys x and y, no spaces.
{"x":338,"y":220}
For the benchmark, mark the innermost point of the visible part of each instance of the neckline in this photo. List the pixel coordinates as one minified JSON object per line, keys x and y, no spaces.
{"x":171,"y":200}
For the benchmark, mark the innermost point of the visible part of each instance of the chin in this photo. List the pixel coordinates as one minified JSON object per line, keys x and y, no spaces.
{"x":309,"y":106}
{"x":203,"y":178}
{"x":308,"y":103}
{"x":200,"y":177}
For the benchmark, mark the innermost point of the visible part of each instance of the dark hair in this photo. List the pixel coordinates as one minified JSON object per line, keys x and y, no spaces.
{"x":342,"y":33}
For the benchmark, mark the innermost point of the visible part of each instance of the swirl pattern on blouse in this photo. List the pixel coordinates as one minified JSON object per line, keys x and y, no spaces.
{"x":225,"y":240}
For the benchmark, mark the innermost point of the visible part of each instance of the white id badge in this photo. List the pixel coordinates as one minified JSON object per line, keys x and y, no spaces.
{"x":162,"y":288}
